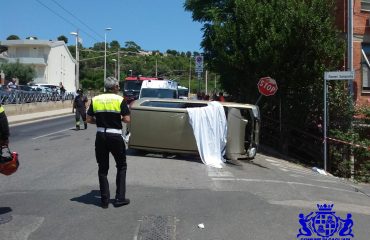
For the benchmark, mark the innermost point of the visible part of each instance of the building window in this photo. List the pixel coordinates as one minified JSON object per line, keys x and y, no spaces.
{"x":365,"y":5}
{"x":365,"y":65}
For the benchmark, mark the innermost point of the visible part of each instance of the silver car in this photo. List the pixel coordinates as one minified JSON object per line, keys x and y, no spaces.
{"x":162,"y":125}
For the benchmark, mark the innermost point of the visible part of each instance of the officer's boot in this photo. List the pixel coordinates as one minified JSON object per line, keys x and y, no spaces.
{"x":85,"y":125}
{"x":77,"y":125}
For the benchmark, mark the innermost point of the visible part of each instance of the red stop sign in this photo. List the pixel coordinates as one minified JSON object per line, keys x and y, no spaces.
{"x":267,"y":86}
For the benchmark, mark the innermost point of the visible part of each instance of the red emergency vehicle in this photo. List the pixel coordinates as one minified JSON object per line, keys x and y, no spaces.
{"x":132,"y":86}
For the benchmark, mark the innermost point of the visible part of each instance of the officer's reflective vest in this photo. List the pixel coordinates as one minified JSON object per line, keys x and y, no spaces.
{"x":107,"y":103}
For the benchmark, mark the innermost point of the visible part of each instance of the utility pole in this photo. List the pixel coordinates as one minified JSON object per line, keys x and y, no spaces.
{"x":189,"y":76}
{"x":118,"y":67}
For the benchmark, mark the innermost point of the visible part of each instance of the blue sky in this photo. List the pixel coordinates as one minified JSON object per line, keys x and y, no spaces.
{"x":152,"y":24}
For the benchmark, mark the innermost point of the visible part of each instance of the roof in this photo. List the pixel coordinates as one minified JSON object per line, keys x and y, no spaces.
{"x":141,"y":78}
{"x":162,"y":84}
{"x":27,"y":42}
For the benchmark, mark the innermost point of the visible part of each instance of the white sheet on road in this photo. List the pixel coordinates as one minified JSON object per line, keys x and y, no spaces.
{"x":210,"y":131}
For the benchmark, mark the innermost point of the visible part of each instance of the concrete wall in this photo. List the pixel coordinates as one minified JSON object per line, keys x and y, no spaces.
{"x":18,"y":109}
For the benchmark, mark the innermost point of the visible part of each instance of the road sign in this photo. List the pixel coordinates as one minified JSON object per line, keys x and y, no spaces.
{"x":340,"y":75}
{"x":267,"y":86}
{"x":199,"y":64}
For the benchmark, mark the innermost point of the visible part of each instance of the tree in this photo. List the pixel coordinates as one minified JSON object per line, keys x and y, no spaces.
{"x":99,"y":46}
{"x":63,"y":38}
{"x":293,"y":41}
{"x":12,"y":37}
{"x":31,"y":38}
{"x":25,"y":73}
{"x":115,"y":45}
{"x":131,"y":46}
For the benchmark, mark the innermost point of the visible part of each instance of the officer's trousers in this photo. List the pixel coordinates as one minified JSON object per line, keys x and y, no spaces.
{"x":80,"y":112}
{"x":106,"y":143}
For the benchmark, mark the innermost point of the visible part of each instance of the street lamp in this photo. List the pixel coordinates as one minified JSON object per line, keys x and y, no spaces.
{"x":130,"y":72}
{"x":115,"y":67}
{"x":105,"y":52}
{"x":77,"y":83}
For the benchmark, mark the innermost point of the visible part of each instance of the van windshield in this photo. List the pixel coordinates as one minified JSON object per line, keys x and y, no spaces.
{"x":132,"y":85}
{"x":158,"y":93}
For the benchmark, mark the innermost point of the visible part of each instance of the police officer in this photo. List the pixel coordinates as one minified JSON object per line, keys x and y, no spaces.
{"x":108,"y":111}
{"x":79,"y":104}
{"x":4,"y":128}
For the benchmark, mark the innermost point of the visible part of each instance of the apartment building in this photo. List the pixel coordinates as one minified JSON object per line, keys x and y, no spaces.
{"x":361,"y":45}
{"x":52,"y":60}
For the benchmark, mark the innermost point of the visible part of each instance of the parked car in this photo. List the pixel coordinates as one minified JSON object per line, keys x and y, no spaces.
{"x":162,"y":125}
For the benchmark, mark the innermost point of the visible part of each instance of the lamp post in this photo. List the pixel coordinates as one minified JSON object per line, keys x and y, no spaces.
{"x":105,"y":52}
{"x":130,"y":72}
{"x":77,"y":83}
{"x":115,"y":67}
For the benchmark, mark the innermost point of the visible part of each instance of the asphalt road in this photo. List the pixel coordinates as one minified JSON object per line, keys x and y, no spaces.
{"x":54,"y":194}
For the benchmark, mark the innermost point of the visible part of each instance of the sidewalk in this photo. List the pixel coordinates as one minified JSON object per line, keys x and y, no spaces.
{"x":20,"y":118}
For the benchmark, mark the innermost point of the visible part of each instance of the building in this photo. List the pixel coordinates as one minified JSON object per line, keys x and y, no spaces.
{"x":52,"y":60}
{"x":361,"y":45}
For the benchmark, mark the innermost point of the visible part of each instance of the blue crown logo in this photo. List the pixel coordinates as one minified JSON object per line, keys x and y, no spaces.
{"x":325,"y":207}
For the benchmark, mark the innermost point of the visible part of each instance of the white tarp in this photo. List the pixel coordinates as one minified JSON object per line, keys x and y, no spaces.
{"x":210,"y":131}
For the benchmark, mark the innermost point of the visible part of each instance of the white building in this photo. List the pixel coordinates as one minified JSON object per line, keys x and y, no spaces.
{"x":52,"y":60}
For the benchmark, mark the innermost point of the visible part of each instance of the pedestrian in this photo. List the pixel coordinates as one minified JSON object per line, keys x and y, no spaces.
{"x":108,"y":111}
{"x":221,"y":97}
{"x":79,"y":103}
{"x":62,"y":91}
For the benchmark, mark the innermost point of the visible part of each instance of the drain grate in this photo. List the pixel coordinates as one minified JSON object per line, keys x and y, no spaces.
{"x":157,"y":228}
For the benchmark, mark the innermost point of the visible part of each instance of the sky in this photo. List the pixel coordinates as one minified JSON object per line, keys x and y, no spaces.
{"x":152,"y":24}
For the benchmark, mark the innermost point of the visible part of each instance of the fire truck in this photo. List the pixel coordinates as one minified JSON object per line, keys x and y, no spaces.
{"x":132,"y":86}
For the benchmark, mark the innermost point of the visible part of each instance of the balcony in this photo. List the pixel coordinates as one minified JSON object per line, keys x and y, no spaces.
{"x":28,"y":60}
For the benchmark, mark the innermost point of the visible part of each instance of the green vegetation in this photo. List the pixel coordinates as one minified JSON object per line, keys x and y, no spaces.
{"x":25,"y":73}
{"x":170,"y":65}
{"x":294,"y":42}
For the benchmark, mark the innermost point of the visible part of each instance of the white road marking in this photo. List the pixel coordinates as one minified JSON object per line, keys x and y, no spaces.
{"x":21,"y":227}
{"x":217,"y":172}
{"x":281,"y":182}
{"x":46,"y":135}
{"x":338,"y":206}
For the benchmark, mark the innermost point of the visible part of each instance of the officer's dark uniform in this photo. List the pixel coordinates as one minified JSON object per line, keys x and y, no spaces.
{"x":79,"y":104}
{"x":108,"y":109}
{"x":4,"y":127}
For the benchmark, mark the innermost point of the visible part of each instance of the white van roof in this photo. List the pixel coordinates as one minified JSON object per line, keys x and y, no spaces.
{"x":164,"y":84}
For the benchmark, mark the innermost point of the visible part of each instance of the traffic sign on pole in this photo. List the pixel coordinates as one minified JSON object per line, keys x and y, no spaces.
{"x":199,"y":64}
{"x":267,"y":86}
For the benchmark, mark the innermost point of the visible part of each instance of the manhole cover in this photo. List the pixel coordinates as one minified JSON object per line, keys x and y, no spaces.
{"x":5,"y":215}
{"x":157,"y":228}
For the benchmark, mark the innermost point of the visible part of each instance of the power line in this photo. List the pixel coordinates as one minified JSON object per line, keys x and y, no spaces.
{"x":91,"y":29}
{"x":64,"y":19}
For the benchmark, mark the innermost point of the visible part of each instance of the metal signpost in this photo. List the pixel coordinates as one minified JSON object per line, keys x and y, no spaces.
{"x":329,"y":76}
{"x":199,"y":68}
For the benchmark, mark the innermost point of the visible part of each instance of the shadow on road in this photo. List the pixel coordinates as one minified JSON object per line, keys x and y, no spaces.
{"x":91,"y":198}
{"x":174,"y":156}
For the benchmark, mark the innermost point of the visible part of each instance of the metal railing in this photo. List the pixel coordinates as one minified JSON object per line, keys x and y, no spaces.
{"x":20,"y":97}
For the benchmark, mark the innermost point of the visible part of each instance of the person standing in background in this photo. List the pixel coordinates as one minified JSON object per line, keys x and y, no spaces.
{"x":79,"y":103}
{"x":62,"y":91}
